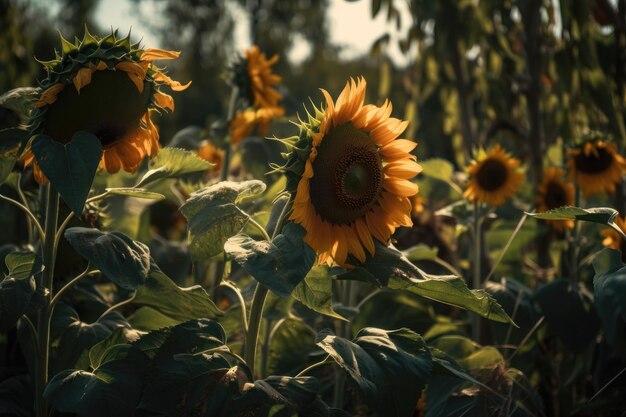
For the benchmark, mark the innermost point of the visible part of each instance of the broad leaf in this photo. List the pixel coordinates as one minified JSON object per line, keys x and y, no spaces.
{"x":392,"y":269}
{"x":290,"y":347}
{"x":390,"y":367}
{"x":18,"y":288}
{"x":602,"y":215}
{"x":70,"y":167}
{"x":279,"y":265}
{"x":180,"y":304}
{"x":316,"y":292}
{"x":609,"y":285}
{"x":122,"y":260}
{"x":438,"y":168}
{"x":214,"y":217}
{"x":173,"y":162}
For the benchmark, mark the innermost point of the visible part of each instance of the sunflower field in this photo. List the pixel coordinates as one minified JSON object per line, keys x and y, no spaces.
{"x":222,"y":213}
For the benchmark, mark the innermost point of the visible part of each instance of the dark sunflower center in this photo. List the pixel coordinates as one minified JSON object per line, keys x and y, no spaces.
{"x":492,"y":174}
{"x":347,"y":175}
{"x":109,"y":107}
{"x":555,"y":196}
{"x":592,"y":164}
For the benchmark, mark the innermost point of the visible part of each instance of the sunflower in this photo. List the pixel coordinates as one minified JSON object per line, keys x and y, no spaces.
{"x":596,"y":166}
{"x":109,"y":87}
{"x":612,"y":239}
{"x":246,"y":121}
{"x":350,"y":176}
{"x":553,"y":193}
{"x":211,"y":153}
{"x":494,"y":177}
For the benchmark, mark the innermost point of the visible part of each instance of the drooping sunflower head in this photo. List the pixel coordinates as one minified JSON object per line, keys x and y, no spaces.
{"x":494,"y":177}
{"x":253,"y":75}
{"x":108,"y":87}
{"x":350,"y":176}
{"x":612,"y":239}
{"x":596,"y":166}
{"x":555,"y":192}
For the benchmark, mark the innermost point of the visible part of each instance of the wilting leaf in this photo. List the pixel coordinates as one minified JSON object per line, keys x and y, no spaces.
{"x":279,"y":265}
{"x":390,"y":367}
{"x":214,"y":217}
{"x":602,"y":215}
{"x":122,"y":260}
{"x":70,"y":167}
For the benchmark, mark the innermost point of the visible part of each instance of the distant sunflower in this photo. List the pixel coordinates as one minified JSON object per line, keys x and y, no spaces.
{"x":596,"y":166}
{"x":350,"y":175}
{"x":211,"y":153}
{"x":494,"y":177}
{"x":553,"y":193}
{"x":245,"y":122}
{"x":108,"y":87}
{"x":612,"y":239}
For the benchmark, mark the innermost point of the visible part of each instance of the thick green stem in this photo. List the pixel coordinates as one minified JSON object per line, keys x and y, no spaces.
{"x":476,"y":278}
{"x":232,"y":108}
{"x":256,"y":314}
{"x":43,"y":325}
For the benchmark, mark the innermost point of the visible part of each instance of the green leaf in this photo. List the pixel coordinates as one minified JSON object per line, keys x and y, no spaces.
{"x":20,"y":100}
{"x":173,"y":162}
{"x":136,"y":192}
{"x":391,"y":268}
{"x":70,"y":167}
{"x":213,"y":216}
{"x":421,"y":252}
{"x":121,"y":259}
{"x":17,"y":396}
{"x":180,"y":304}
{"x":6,"y":167}
{"x":147,"y":318}
{"x":316,"y":292}
{"x":390,"y":367}
{"x":610,"y":299}
{"x":92,"y":358}
{"x":570,"y":313}
{"x":290,"y":347}
{"x":11,"y":139}
{"x":113,"y":389}
{"x":279,"y":265}
{"x":602,"y":215}
{"x":438,"y":168}
{"x":18,"y":288}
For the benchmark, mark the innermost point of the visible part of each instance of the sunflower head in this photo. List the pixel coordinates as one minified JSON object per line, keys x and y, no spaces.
{"x":612,"y":239}
{"x":246,"y":121}
{"x":350,"y":176}
{"x":211,"y":153}
{"x":109,"y":87}
{"x":494,"y":177}
{"x":596,"y":166}
{"x":555,"y":192}
{"x":252,"y":74}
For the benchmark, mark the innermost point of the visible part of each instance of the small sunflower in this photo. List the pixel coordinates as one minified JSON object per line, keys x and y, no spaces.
{"x":494,"y":177}
{"x":612,"y":239}
{"x":211,"y":153}
{"x":109,"y":87}
{"x":245,"y":122}
{"x":553,"y":193}
{"x":596,"y":166}
{"x":350,"y":176}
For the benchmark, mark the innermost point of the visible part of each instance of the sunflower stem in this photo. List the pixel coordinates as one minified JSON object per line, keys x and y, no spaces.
{"x":43,"y":324}
{"x":572,"y":244}
{"x":232,"y":108}
{"x":476,"y":252}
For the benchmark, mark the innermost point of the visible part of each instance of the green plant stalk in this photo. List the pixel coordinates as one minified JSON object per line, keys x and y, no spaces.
{"x":43,"y":325}
{"x":476,"y":255}
{"x":232,"y":108}
{"x":348,"y":300}
{"x":572,"y":244}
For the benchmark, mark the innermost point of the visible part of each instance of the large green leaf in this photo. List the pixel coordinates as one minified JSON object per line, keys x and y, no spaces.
{"x":70,"y":167}
{"x":602,"y":215}
{"x":438,"y":168}
{"x":570,"y":313}
{"x":390,"y":367}
{"x":214,"y":217}
{"x":122,"y":260}
{"x":113,"y":389}
{"x":18,"y":288}
{"x":609,"y":285}
{"x":316,"y":292}
{"x":173,"y":162}
{"x":290,"y":347}
{"x":279,"y":265}
{"x":180,"y":304}
{"x":392,"y":269}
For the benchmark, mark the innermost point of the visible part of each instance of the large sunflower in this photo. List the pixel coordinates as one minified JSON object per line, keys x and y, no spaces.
{"x":596,"y":166}
{"x":351,"y":175}
{"x":612,"y":239}
{"x":553,"y":193}
{"x":494,"y":177}
{"x":109,"y":87}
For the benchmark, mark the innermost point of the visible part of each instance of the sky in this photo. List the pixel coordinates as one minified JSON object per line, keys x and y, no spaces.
{"x":350,"y":23}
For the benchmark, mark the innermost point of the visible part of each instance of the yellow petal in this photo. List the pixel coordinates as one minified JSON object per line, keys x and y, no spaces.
{"x":82,"y":78}
{"x":50,"y":95}
{"x":400,"y":187}
{"x":152,"y":54}
{"x":164,"y":101}
{"x":136,"y":72}
{"x":174,"y":85}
